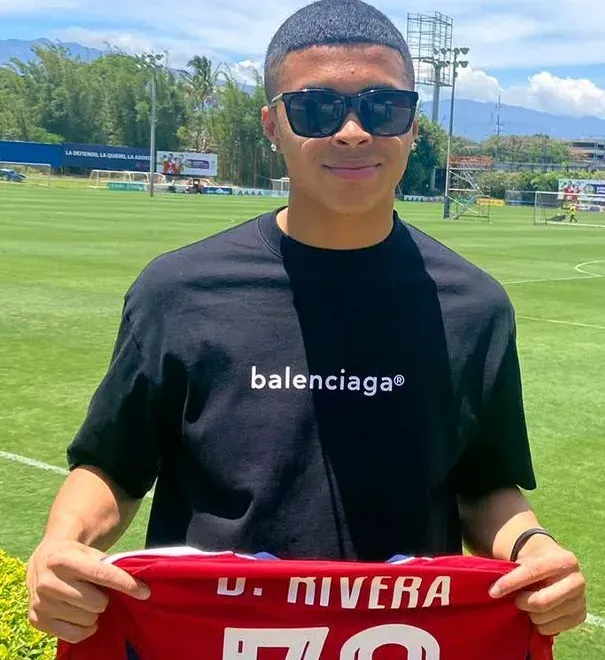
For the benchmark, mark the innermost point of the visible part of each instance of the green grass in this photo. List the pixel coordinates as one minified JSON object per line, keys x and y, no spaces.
{"x":68,"y":255}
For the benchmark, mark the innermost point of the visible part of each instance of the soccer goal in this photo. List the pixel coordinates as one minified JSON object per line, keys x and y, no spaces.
{"x":280,"y":187}
{"x":37,"y":174}
{"x":556,"y":208}
{"x":100,"y":178}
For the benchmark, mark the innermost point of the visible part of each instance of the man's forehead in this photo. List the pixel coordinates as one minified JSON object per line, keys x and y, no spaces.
{"x":347,"y":68}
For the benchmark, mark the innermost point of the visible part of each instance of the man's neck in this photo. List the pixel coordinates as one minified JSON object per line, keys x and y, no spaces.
{"x":314,"y":225}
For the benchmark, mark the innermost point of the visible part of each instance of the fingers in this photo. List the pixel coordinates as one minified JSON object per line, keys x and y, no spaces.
{"x":570,"y":588}
{"x":561,"y":624}
{"x":78,"y":594}
{"x":546,"y":566}
{"x":64,"y":588}
{"x":66,"y":631}
{"x":575,"y":607}
{"x":67,"y":613}
{"x":88,"y":569}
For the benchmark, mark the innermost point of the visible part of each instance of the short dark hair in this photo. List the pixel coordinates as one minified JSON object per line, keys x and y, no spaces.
{"x":333,"y":23}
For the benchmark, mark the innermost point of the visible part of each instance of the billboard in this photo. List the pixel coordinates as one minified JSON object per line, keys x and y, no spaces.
{"x":574,"y":189}
{"x":179,"y":163}
{"x":472,"y":162}
{"x":103,"y":157}
{"x":218,"y":190}
{"x":31,"y":152}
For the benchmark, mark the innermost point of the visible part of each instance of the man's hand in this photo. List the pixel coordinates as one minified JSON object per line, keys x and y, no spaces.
{"x":558,"y":599}
{"x":63,"y":581}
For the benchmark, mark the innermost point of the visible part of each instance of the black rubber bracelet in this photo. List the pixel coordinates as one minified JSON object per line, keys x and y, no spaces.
{"x":524,"y":538}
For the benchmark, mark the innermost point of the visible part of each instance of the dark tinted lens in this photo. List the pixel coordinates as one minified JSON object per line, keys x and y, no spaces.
{"x":387,"y":112}
{"x":314,"y":113}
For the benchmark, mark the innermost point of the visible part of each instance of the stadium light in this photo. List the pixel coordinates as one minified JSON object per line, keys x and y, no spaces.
{"x":456,"y":63}
{"x":151,"y":62}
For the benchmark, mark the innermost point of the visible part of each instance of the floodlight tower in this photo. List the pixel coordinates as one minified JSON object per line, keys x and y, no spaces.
{"x":429,"y":36}
{"x":151,"y":62}
{"x":456,"y":63}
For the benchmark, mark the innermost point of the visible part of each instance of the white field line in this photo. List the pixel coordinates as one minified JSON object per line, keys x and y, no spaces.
{"x":39,"y":465}
{"x":575,"y":324}
{"x":591,"y":619}
{"x":580,"y":268}
{"x":553,"y":279}
{"x":594,"y":620}
{"x":30,"y":462}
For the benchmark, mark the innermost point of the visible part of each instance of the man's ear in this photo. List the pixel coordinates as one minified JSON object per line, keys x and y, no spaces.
{"x":269,"y":122}
{"x":415,"y":131}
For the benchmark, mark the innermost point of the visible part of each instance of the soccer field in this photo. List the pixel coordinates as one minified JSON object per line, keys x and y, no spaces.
{"x":67,"y":257}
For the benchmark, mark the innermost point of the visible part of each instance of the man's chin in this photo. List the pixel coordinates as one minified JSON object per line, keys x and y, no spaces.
{"x":355,"y":204}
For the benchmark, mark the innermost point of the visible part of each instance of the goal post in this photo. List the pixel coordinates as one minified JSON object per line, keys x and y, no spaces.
{"x":280,"y":187}
{"x":558,"y":208}
{"x":101,"y":178}
{"x":36,"y":174}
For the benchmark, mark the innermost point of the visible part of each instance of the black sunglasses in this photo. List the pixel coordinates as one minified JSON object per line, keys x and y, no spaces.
{"x":320,"y":113}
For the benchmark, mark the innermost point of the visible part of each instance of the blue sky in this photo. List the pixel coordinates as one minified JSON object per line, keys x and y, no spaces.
{"x":544,"y":54}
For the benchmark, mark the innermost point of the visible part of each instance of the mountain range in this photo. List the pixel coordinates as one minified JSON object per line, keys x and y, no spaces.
{"x":22,"y":50}
{"x":473,"y":119}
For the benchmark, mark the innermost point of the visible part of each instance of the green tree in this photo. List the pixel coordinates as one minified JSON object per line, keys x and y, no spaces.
{"x":527,"y":149}
{"x":199,"y":84}
{"x":431,"y":153}
{"x":235,"y":133}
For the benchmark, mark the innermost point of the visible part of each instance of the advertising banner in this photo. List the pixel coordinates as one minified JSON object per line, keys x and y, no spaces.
{"x":31,"y":152}
{"x":179,"y":163}
{"x":103,"y":157}
{"x":253,"y":192}
{"x":217,"y":190}
{"x":576,"y":189}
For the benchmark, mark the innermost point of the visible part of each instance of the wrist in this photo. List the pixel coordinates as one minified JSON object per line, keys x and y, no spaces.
{"x":532,"y":542}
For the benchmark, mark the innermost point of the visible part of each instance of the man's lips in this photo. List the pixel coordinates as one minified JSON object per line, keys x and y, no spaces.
{"x":353,"y":171}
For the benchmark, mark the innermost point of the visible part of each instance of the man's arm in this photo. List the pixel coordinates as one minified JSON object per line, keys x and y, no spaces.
{"x":549,"y":581}
{"x":90,"y":509}
{"x":66,"y":570}
{"x":493,"y":523}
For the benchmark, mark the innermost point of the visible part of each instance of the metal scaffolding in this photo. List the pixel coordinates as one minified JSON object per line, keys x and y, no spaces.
{"x":467,"y":195}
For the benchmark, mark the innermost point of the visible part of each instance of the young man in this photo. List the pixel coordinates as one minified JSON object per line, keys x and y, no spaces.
{"x":320,"y":382}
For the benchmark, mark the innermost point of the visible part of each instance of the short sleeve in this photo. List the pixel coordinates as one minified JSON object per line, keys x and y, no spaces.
{"x":498,"y":456}
{"x":122,"y":431}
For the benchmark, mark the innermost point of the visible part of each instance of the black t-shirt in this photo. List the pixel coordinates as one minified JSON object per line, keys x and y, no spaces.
{"x":311,"y":402}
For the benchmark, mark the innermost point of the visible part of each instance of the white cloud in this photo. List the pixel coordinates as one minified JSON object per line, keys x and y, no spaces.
{"x":540,"y":34}
{"x":130,"y":42}
{"x":478,"y":85}
{"x":8,"y":7}
{"x":560,"y":96}
{"x":246,"y":72}
{"x":517,"y":33}
{"x":543,"y":91}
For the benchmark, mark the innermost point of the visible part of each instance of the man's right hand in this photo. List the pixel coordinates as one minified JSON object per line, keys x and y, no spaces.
{"x":67,"y":582}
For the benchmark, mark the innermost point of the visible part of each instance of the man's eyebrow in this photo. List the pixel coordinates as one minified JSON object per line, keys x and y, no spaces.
{"x":367,"y":88}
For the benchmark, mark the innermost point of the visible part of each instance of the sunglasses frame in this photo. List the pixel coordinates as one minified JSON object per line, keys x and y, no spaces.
{"x":350,"y":102}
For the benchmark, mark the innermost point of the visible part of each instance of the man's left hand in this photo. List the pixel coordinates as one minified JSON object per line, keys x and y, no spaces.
{"x":557,"y":601}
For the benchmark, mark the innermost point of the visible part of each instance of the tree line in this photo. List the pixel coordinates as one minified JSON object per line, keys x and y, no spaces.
{"x":57,"y":98}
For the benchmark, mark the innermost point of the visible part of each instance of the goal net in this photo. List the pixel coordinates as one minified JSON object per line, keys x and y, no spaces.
{"x":101,"y":178}
{"x":581,"y":210}
{"x":280,"y":187}
{"x":37,"y":174}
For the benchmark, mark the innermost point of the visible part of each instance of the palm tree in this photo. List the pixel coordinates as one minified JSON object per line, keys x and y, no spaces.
{"x":200,"y":82}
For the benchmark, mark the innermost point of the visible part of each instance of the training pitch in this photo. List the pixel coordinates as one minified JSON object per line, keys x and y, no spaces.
{"x":68,"y":256}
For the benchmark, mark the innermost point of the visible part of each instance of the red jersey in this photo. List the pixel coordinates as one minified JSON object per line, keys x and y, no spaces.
{"x":225,"y":606}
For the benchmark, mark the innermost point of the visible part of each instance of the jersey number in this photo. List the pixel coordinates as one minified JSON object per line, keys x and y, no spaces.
{"x":308,"y":643}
